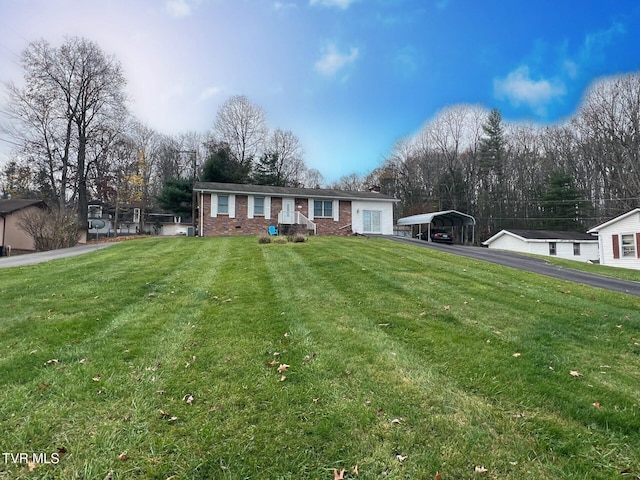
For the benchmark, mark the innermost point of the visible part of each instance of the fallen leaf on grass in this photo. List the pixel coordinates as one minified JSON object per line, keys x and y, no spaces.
{"x":168,"y":416}
{"x":575,"y":373}
{"x":438,"y":476}
{"x":123,"y":457}
{"x":355,"y":471}
{"x":188,"y":398}
{"x":283,"y":368}
{"x":596,"y":405}
{"x":109,"y":476}
{"x":517,"y":354}
{"x":272,"y":363}
{"x":32,"y":466}
{"x":283,"y":378}
{"x":53,"y":361}
{"x":396,"y":421}
{"x":480,"y":469}
{"x":401,"y":458}
{"x":82,"y":360}
{"x":447,"y":307}
{"x":97,"y":378}
{"x":338,"y":475}
{"x":43,"y":386}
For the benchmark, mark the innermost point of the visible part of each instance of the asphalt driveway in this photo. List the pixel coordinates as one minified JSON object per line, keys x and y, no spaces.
{"x":39,"y":257}
{"x":530,"y":264}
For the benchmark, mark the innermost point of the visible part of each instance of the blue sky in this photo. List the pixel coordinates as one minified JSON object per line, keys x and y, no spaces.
{"x":348,"y":77}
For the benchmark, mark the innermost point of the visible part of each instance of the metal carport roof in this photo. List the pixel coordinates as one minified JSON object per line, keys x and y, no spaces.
{"x":447,"y":218}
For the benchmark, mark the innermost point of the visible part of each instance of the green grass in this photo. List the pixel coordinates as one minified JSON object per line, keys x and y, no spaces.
{"x":394,"y":351}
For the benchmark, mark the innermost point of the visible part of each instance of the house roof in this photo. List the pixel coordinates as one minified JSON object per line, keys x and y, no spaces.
{"x":447,"y":218}
{"x":543,"y":236}
{"x":244,"y":189}
{"x":11,"y":205}
{"x":597,"y":228}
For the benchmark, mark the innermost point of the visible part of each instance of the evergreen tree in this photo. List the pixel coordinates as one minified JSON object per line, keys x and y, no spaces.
{"x":561,"y":203}
{"x":492,"y":146}
{"x":266,"y":171}
{"x":177,"y":196}
{"x":221,"y":166}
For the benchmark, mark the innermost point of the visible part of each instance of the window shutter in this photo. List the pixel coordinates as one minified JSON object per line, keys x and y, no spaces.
{"x":250,"y":206}
{"x":638,"y":244}
{"x":336,"y":210}
{"x":214,"y":205}
{"x":310,"y":207}
{"x":616,"y":246}
{"x":267,"y":207}
{"x":232,"y":206}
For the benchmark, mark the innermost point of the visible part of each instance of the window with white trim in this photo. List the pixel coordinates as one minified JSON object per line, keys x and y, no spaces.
{"x":552,"y":248}
{"x":258,"y":206}
{"x":223,"y":204}
{"x":322,"y":208}
{"x":628,"y":245}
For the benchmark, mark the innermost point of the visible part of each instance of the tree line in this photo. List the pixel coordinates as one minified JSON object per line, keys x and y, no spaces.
{"x":77,"y":140}
{"x":566,"y":176}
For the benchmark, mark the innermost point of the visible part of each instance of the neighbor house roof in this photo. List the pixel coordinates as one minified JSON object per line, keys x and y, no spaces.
{"x":447,"y":218}
{"x":543,"y":236}
{"x":13,"y":205}
{"x":244,"y":189}
{"x":597,"y":228}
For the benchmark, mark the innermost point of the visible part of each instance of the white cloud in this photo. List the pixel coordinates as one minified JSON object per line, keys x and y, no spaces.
{"x":343,"y":4}
{"x":332,"y":60}
{"x":278,"y":6}
{"x":519,"y":88}
{"x":209,"y":92}
{"x":178,"y":8}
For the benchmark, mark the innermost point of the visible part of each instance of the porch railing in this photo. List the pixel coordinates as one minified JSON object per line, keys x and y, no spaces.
{"x":296,"y":218}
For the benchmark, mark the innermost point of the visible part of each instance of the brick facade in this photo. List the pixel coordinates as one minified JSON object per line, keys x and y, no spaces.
{"x":223,"y":225}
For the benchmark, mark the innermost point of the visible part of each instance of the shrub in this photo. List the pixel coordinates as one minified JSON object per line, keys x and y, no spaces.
{"x":50,"y":229}
{"x":298,"y":238}
{"x":280,"y":240}
{"x":264,"y":239}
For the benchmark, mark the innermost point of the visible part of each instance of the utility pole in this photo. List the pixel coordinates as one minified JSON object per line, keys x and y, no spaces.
{"x":194,"y":159}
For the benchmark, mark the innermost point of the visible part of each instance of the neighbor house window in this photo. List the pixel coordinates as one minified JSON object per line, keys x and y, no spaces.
{"x":576,"y":249}
{"x":258,"y":206}
{"x":322,"y":208}
{"x":223,"y":204}
{"x":552,"y":248}
{"x":95,"y":211}
{"x":371,"y":221}
{"x":628,"y":246}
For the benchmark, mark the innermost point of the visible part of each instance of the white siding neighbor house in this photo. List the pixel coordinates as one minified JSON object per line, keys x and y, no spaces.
{"x":569,"y":245}
{"x":619,"y":240}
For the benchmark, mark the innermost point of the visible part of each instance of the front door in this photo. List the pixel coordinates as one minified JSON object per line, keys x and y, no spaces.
{"x":288,"y":211}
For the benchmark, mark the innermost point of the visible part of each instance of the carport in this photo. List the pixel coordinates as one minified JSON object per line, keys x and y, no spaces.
{"x":447,"y":218}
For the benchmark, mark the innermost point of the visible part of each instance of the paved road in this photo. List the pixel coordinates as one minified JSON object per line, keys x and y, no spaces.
{"x":33,"y":258}
{"x":530,"y":264}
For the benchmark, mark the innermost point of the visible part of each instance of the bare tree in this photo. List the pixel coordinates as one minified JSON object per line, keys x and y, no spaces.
{"x":70,"y":93}
{"x":243,"y":126}
{"x":287,"y":151}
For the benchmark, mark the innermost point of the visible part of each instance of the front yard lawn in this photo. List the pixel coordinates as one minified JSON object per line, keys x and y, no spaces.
{"x":194,"y":358}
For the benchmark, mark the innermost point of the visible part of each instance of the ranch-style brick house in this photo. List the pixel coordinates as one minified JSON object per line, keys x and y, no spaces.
{"x":236,"y":209}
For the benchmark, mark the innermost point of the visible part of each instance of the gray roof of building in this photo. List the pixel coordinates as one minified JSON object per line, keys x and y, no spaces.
{"x":551,"y":235}
{"x":11,"y":205}
{"x":245,"y":189}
